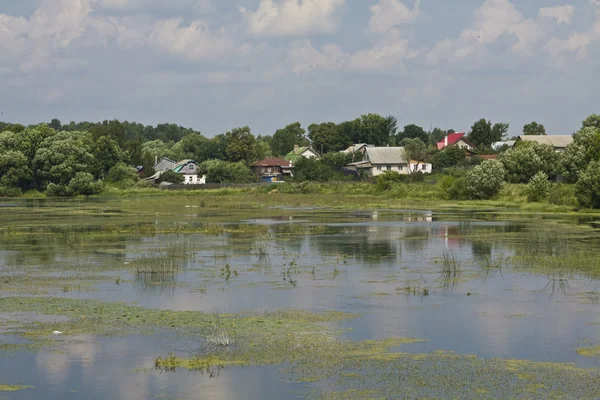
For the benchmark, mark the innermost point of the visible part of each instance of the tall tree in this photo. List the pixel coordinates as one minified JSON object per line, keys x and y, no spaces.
{"x":327,"y":137}
{"x":413,"y":131}
{"x":483,"y":133}
{"x":593,"y":121}
{"x":55,"y":124}
{"x":375,"y":129}
{"x":240,"y":145}
{"x":285,"y":139}
{"x":534,"y":128}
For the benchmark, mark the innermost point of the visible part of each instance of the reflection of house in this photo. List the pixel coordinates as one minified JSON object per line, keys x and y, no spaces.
{"x":420,"y":166}
{"x":187,"y":168}
{"x":378,"y":160}
{"x":559,"y":142}
{"x":455,"y":139}
{"x":306,"y":152}
{"x":272,"y":169}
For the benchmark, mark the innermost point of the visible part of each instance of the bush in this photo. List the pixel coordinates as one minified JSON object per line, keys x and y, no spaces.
{"x":485,"y":181}
{"x":122,"y":176}
{"x":451,"y":156}
{"x":563,"y":195}
{"x":10,"y":191}
{"x":218,"y":171}
{"x":171,"y":177}
{"x":527,"y":159}
{"x":538,"y":187}
{"x":84,"y":184}
{"x":57,"y":190}
{"x":310,"y":169}
{"x":387,"y":180}
{"x":588,"y":186}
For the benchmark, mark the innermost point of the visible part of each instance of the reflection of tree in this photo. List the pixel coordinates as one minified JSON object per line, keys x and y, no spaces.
{"x":482,"y":250}
{"x":359,"y":247}
{"x":156,"y":283}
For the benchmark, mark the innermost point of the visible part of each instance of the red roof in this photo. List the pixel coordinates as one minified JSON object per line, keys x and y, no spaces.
{"x":272,"y":162}
{"x":453,"y":138}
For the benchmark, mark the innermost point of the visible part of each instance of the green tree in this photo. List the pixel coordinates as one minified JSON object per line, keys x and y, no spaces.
{"x":112,"y":129}
{"x":284,"y":139}
{"x":485,"y":180}
{"x":171,"y":177}
{"x":584,"y":149}
{"x":122,"y":175}
{"x":240,"y":145}
{"x":60,"y":157}
{"x":55,"y":124}
{"x":534,"y":128}
{"x":14,"y":169}
{"x":525,"y":160}
{"x":310,"y":169}
{"x":413,"y":132}
{"x":483,"y":133}
{"x":415,"y":149}
{"x":218,"y":171}
{"x":588,"y":186}
{"x":107,"y":154}
{"x":451,"y":156}
{"x":538,"y":187}
{"x":374,"y":129}
{"x":593,"y":121}
{"x":327,"y":137}
{"x":436,"y":135}
{"x":84,"y":184}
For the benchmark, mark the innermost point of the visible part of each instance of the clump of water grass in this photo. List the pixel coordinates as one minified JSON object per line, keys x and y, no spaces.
{"x":450,"y":265}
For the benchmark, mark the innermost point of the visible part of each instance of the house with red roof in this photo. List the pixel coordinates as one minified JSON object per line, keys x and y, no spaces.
{"x":272,"y":169}
{"x":455,"y":139}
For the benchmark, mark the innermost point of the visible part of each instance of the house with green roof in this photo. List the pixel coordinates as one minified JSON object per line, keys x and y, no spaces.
{"x":305,"y":151}
{"x":187,"y":168}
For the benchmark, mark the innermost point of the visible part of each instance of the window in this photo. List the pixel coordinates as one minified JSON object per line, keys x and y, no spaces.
{"x":191,"y":166}
{"x":269,"y":170}
{"x":389,"y":167}
{"x":379,"y":168}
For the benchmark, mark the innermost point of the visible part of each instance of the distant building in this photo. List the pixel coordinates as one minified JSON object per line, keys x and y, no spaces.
{"x":420,"y":166}
{"x":378,"y":160}
{"x":306,"y":152}
{"x":498,"y":145}
{"x":455,"y":139}
{"x":187,"y":168}
{"x":360,"y":147}
{"x":272,"y":169}
{"x":559,"y":142}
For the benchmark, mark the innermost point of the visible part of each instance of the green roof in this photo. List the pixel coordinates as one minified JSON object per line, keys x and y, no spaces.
{"x":294,"y":154}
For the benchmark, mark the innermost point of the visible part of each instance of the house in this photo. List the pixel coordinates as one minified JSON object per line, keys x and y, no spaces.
{"x":355,"y":148}
{"x":187,"y":168}
{"x":420,"y":166}
{"x":559,"y":142}
{"x":455,"y":139}
{"x":378,"y":160}
{"x":165,"y":164}
{"x":306,"y":152}
{"x":498,"y":145}
{"x":272,"y":169}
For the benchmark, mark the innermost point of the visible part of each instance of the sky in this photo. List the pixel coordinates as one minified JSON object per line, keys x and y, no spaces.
{"x":213,"y":65}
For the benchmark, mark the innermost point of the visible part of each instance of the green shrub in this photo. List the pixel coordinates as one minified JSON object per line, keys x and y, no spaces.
{"x":84,"y":184}
{"x":122,"y":176}
{"x":538,"y":187}
{"x":458,"y":189}
{"x":563,"y":195}
{"x":588,"y":186}
{"x":387,"y":180}
{"x":171,"y":177}
{"x":527,"y":159}
{"x":10,"y":191}
{"x":485,"y":181}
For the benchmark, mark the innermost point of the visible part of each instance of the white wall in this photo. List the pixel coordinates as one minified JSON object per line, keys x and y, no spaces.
{"x":194,"y":180}
{"x":425,"y":168}
{"x":381,"y":169}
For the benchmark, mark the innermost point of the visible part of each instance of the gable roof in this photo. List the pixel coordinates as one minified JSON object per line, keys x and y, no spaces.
{"x":354,"y":148}
{"x":179,"y":166}
{"x":165,"y":159}
{"x":386,"y":155}
{"x":557,"y":141}
{"x":272,"y":162}
{"x":294,"y":154}
{"x":453,"y":138}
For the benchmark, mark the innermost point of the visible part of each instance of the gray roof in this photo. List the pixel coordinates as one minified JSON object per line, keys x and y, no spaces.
{"x":556,"y":141}
{"x":386,"y":155}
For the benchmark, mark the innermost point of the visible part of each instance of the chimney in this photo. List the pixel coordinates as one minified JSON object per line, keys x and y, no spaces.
{"x":446,"y":141}
{"x":155,"y":160}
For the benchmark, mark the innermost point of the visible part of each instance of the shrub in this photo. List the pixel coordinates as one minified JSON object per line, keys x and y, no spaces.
{"x":171,"y":177}
{"x":451,"y":156}
{"x":485,"y":181}
{"x":10,"y":191}
{"x":527,"y":159}
{"x":84,"y":184}
{"x":562,"y":195}
{"x":387,"y":180}
{"x":588,"y":186}
{"x":218,"y":171}
{"x":458,"y":189}
{"x":122,"y":176}
{"x":538,"y":187}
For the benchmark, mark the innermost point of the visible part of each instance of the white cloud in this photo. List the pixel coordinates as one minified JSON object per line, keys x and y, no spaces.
{"x":562,"y":14}
{"x":304,"y":58}
{"x":293,"y":17}
{"x":390,"y":13}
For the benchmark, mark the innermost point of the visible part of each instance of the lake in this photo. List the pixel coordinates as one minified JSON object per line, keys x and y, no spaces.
{"x":167,"y":298}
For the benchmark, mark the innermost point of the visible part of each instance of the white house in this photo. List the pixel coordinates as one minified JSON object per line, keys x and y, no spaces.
{"x":378,"y":160}
{"x":419,"y":166}
{"x":187,"y":168}
{"x":305,"y":152}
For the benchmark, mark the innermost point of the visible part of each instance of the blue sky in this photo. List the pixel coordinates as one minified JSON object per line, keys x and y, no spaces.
{"x":214,"y":65}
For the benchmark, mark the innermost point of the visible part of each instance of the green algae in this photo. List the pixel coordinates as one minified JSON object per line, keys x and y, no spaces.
{"x":589,"y":351}
{"x":13,"y":388}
